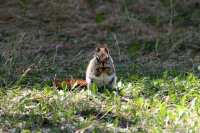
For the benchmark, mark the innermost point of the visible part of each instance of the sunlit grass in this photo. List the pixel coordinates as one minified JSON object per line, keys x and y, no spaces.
{"x":147,"y":104}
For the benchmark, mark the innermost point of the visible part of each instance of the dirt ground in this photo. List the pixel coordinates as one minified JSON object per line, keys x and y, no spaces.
{"x":59,"y":36}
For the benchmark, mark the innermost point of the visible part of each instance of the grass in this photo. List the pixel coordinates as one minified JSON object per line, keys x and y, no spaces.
{"x":168,"y":103}
{"x":146,"y":38}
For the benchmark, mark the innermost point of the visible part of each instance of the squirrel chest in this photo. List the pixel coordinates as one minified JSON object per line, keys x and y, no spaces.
{"x":104,"y":77}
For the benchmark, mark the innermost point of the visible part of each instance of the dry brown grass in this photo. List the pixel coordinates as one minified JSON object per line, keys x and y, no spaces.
{"x":63,"y":34}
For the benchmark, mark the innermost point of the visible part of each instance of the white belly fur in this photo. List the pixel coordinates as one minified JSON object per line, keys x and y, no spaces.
{"x":104,"y":79}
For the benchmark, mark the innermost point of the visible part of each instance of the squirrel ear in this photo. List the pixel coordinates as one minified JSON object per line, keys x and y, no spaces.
{"x":107,"y":50}
{"x":97,"y":49}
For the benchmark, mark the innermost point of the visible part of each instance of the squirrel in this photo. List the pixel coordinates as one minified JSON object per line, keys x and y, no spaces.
{"x":101,"y":69}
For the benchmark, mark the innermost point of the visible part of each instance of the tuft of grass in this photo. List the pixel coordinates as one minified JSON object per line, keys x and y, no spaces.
{"x":100,"y":17}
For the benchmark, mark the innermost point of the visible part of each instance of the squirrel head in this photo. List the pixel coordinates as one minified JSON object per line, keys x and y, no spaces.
{"x":102,"y":54}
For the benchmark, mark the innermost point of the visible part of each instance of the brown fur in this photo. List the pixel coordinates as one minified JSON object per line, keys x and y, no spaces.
{"x":70,"y":83}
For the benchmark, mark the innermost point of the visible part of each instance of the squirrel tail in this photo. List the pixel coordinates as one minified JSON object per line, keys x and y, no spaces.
{"x":70,"y":83}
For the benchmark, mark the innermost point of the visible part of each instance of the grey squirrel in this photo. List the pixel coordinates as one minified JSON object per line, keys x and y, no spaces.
{"x":101,"y":69}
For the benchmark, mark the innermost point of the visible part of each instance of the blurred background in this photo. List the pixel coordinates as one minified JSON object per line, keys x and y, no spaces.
{"x":58,"y":37}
